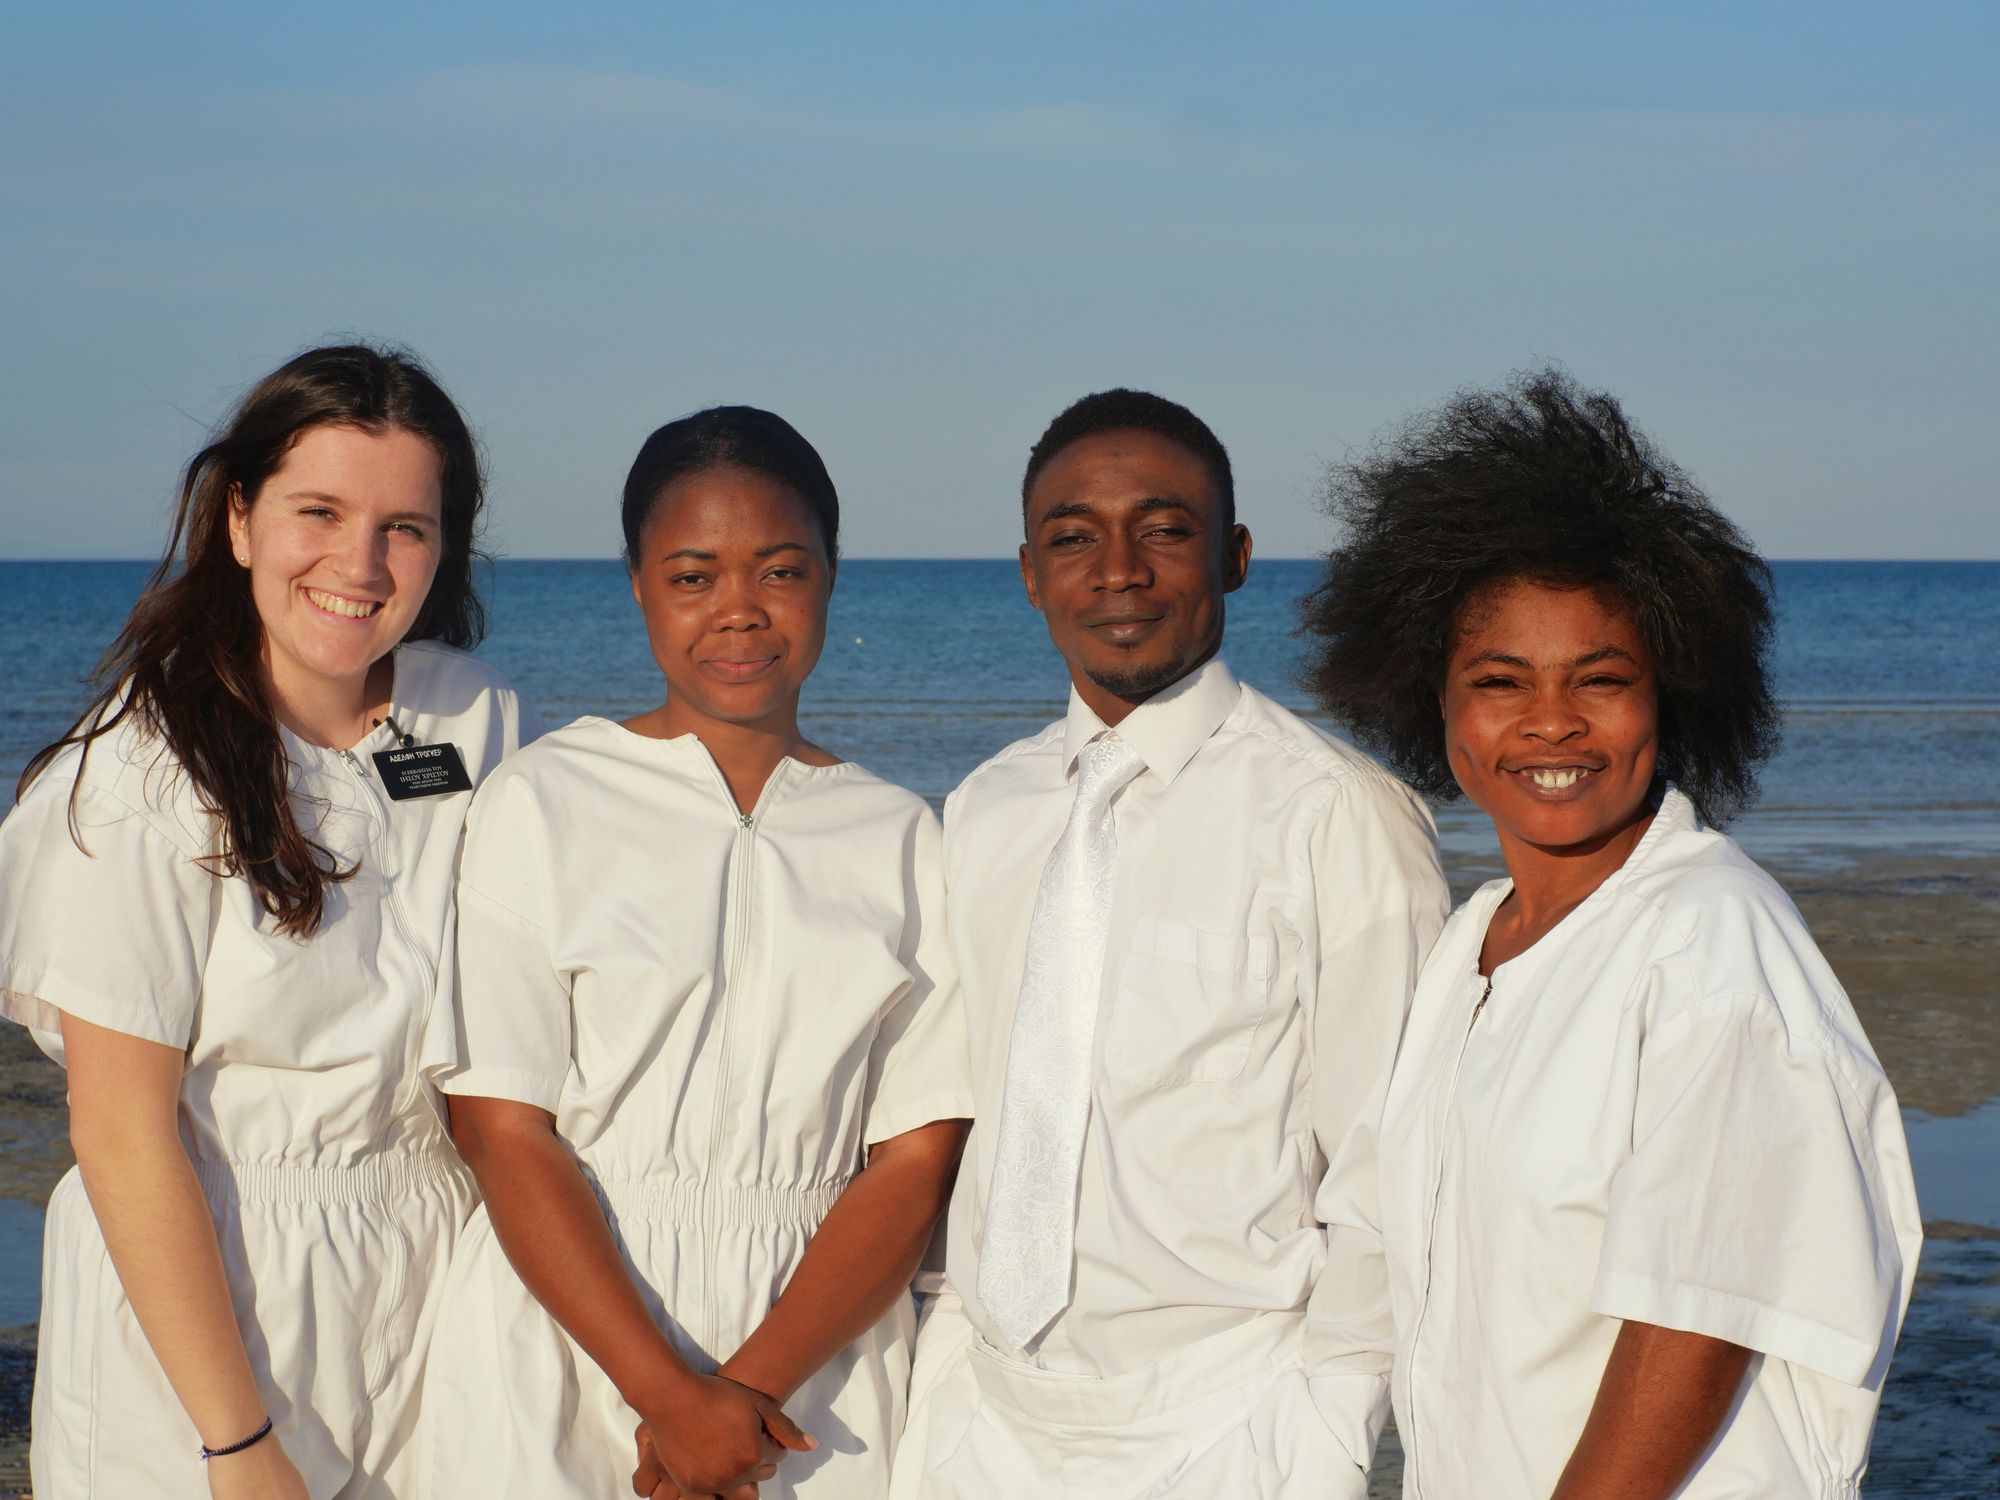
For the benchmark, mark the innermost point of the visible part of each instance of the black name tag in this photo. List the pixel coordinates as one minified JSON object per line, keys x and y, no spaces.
{"x":422,"y":771}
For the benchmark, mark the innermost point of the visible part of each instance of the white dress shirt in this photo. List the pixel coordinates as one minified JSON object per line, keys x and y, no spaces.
{"x":1665,"y":1110}
{"x":1275,"y":893}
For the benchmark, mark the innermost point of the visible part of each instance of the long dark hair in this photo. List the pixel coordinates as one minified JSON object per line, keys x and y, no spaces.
{"x":186,"y":662}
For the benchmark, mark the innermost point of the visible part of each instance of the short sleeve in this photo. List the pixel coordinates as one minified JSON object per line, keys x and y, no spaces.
{"x":510,"y":1011}
{"x":920,"y":1067}
{"x":1763,"y":1196}
{"x":108,"y":922}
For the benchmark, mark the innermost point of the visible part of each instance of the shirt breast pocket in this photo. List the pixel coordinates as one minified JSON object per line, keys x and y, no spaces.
{"x":1188,"y":1004}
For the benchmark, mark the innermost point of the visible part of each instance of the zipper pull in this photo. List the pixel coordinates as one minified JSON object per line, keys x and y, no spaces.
{"x":1484,"y":995}
{"x":354,"y":762}
{"x":743,"y":818}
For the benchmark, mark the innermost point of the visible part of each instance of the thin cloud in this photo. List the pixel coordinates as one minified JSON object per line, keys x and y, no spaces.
{"x":597,"y":99}
{"x":1774,"y":142}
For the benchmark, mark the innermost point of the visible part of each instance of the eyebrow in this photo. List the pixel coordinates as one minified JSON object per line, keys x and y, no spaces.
{"x":699,"y":555}
{"x":1589,"y":658}
{"x":1083,"y":508}
{"x":401,"y":515}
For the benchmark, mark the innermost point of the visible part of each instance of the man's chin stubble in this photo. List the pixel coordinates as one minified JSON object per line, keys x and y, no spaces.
{"x":1142,"y":682}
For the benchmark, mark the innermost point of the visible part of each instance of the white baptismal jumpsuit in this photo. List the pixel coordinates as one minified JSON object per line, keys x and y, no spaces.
{"x":335,"y":1192}
{"x":723,"y":1011}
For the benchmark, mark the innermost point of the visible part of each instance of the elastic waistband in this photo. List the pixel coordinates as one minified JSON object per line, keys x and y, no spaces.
{"x":373,"y":1179}
{"x":703,"y":1201}
{"x":1259,"y":1350}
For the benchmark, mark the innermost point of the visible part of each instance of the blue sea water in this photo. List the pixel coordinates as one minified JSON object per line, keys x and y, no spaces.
{"x":1889,"y":673}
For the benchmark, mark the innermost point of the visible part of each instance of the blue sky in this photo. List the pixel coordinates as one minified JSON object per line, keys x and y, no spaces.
{"x":1771,"y":229}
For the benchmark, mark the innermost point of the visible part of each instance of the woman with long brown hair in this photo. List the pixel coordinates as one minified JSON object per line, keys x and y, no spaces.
{"x":226,"y":907}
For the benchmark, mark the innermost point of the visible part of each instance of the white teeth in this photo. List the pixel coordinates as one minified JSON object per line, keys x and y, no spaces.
{"x":1555,"y":780}
{"x":333,"y":604}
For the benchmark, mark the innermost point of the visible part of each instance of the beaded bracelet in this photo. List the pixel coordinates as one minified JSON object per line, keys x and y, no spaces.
{"x":251,"y":1441}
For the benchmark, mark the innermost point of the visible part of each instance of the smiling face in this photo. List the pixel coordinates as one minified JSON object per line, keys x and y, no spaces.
{"x":733,"y":581}
{"x":1551,"y":717}
{"x":341,"y":542}
{"x":1128,"y":562}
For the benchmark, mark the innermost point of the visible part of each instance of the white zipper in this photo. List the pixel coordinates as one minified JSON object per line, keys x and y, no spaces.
{"x":736,"y":928}
{"x":424,"y":960}
{"x":1430,"y":1234}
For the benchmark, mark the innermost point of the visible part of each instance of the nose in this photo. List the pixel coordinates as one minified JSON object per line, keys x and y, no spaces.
{"x":364,"y":556}
{"x":1120,"y":565}
{"x":1552,"y":717}
{"x":737,"y":607}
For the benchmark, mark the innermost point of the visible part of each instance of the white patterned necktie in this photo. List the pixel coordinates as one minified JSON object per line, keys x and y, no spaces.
{"x":1029,"y":1240}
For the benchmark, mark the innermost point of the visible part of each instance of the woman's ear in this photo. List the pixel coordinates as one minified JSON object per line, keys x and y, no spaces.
{"x":239,"y":525}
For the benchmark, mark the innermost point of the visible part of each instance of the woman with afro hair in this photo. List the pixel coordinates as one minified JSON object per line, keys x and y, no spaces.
{"x":1645,"y":1194}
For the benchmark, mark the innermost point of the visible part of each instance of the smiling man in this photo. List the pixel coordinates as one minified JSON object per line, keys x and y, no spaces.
{"x":1187,"y":926}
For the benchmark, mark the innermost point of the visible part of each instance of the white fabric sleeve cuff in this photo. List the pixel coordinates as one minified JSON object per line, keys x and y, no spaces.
{"x":52,"y":998}
{"x":887,"y":1120}
{"x":1767,"y":1330}
{"x":518,"y":1084}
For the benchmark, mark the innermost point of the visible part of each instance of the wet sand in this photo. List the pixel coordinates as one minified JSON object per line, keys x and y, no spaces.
{"x":34,"y":1125}
{"x":1917,"y":943}
{"x":1916,"y":940}
{"x":34,"y":1152}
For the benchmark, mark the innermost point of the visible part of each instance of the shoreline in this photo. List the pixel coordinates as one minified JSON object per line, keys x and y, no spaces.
{"x":1914,"y":936}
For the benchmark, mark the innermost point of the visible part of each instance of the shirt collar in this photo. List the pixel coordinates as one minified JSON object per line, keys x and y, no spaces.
{"x":1674,"y":815}
{"x":1168,"y":727}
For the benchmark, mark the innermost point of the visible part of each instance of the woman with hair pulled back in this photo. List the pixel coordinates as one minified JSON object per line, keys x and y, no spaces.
{"x":711,"y":1072}
{"x":225,"y":905}
{"x":1645,"y":1195}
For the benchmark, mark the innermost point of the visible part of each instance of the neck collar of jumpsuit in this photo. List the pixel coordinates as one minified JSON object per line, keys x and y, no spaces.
{"x":1168,"y":727}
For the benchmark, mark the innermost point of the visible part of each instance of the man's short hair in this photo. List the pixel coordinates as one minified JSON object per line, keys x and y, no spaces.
{"x":1125,"y":410}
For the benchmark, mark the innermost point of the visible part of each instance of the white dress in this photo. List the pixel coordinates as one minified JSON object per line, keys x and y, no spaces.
{"x":722,"y":1011}
{"x":320,"y":1148}
{"x":1664,"y":1111}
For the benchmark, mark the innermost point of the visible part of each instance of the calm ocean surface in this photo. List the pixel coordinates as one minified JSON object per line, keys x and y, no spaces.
{"x":1888,"y":670}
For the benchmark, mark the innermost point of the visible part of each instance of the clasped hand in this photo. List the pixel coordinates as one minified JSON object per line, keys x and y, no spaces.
{"x":714,"y":1437}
